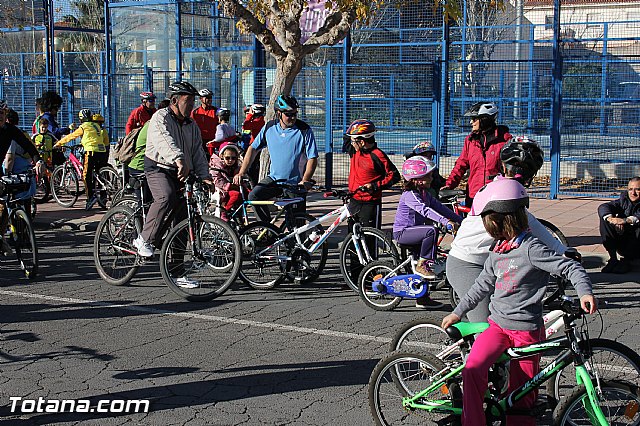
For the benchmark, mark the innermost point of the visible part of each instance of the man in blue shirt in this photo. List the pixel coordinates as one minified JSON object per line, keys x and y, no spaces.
{"x":294,"y":155}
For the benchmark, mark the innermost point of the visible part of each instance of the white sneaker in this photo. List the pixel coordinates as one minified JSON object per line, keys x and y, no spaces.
{"x":144,"y":248}
{"x":186,"y":282}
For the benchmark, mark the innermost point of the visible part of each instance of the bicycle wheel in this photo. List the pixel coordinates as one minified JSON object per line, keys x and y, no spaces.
{"x":110,"y":179}
{"x":261,"y":271}
{"x":203,"y":272}
{"x":619,"y":403}
{"x":43,"y":189}
{"x":612,"y":360}
{"x":380,"y":248}
{"x":555,"y":231}
{"x":65,"y":186}
{"x":126,"y":200}
{"x":309,"y":268}
{"x":425,"y":335}
{"x":454,"y":299}
{"x":114,"y":255}
{"x":373,"y":299}
{"x":24,"y":241}
{"x":399,"y":375}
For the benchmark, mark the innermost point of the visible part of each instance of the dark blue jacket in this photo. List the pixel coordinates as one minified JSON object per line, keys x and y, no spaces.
{"x":622,"y":207}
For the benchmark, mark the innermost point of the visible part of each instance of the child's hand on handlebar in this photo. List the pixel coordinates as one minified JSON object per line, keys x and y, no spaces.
{"x":588,"y":303}
{"x":449,"y":320}
{"x":452,"y":226}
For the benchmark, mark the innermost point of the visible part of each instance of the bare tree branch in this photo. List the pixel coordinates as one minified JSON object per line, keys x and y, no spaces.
{"x":335,"y":28}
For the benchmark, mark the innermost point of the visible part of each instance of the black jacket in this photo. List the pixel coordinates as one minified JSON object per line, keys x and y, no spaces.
{"x":622,"y":207}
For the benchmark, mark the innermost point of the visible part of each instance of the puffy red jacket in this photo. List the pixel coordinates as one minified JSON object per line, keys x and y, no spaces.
{"x":138,"y":117}
{"x":481,"y":156}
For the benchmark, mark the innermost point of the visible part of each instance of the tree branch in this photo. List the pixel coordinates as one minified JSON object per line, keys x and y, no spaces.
{"x":335,"y":28}
{"x":234,"y":9}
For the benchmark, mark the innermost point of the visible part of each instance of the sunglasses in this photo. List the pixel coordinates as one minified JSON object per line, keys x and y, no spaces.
{"x":290,"y":114}
{"x":230,"y":158}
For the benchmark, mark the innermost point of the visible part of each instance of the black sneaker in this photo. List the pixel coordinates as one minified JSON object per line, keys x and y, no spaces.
{"x":622,"y":267}
{"x":610,"y":266}
{"x":426,"y":302}
{"x":90,"y":203}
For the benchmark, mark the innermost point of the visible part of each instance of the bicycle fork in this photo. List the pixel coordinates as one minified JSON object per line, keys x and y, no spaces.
{"x":594,"y":393}
{"x":362,"y":250}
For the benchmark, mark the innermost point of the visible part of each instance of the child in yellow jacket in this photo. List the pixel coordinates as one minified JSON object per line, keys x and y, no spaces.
{"x":94,"y":141}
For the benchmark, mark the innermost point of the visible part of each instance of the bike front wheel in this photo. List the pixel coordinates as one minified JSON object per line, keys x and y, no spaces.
{"x":311,"y":265}
{"x":24,"y":240}
{"x":619,"y":404}
{"x":114,"y":255}
{"x":380,"y":246}
{"x":110,"y":181}
{"x":201,"y":268}
{"x":612,"y":360}
{"x":65,"y":186}
{"x":399,"y":375}
{"x":262,"y":270}
{"x":373,"y":299}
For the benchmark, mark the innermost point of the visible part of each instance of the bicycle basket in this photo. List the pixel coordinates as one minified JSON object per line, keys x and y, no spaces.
{"x":16,"y":183}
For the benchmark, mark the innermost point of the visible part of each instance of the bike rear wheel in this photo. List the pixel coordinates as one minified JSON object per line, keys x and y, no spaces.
{"x":399,"y":375}
{"x":109,"y":182}
{"x":425,"y":335}
{"x":114,"y":255}
{"x":43,"y":189}
{"x":24,"y":240}
{"x":373,"y":299}
{"x":555,"y":231}
{"x":65,"y":186}
{"x":206,"y":271}
{"x":619,"y":404}
{"x":261,"y":271}
{"x":381,"y":248}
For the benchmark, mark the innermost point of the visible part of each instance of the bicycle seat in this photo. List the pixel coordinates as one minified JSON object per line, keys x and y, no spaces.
{"x":463,"y":329}
{"x":283,"y":202}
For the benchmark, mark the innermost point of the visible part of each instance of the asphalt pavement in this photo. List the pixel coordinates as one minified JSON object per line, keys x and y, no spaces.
{"x":297,"y":355}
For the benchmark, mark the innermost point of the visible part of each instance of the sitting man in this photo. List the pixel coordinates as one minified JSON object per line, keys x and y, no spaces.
{"x":294,"y":155}
{"x":620,"y":228}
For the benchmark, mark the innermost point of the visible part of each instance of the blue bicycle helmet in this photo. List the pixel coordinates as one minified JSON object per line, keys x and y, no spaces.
{"x":286,"y":103}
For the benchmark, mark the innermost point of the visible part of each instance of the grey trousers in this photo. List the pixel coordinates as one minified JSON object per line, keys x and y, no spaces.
{"x":164,"y":189}
{"x":461,"y":276}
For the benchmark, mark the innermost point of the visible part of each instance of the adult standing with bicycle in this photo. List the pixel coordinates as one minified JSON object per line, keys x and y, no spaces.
{"x":481,"y":150}
{"x":174,"y":148}
{"x":9,"y":133}
{"x":294,"y":155}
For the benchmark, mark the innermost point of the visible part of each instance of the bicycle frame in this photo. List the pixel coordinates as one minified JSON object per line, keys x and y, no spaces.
{"x":568,"y":356}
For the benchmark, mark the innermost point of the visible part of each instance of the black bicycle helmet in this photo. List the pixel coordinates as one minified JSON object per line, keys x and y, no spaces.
{"x":223,"y":114}
{"x":181,"y":88}
{"x":522,"y":155}
{"x":286,"y":103}
{"x":85,"y":114}
{"x":205,"y":93}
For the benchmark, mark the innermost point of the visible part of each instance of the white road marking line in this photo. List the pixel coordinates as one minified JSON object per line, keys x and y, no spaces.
{"x":227,"y":320}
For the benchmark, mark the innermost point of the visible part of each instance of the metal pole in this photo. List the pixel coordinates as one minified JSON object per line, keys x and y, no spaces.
{"x":444,"y":86}
{"x":108,"y":74}
{"x":328,"y":128}
{"x":605,"y":81}
{"x":556,"y":108}
{"x":518,"y":54}
{"x":178,"y":41}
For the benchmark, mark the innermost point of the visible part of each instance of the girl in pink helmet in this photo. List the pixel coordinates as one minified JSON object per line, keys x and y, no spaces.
{"x":516,"y":272}
{"x":417,"y":211}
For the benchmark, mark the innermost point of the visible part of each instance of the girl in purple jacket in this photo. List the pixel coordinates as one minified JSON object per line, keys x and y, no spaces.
{"x":417,"y":210}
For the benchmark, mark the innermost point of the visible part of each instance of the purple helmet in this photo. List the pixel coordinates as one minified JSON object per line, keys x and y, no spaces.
{"x":502,"y":196}
{"x":416,"y":168}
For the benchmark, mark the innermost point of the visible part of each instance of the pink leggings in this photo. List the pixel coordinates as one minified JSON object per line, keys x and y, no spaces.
{"x":488,"y":346}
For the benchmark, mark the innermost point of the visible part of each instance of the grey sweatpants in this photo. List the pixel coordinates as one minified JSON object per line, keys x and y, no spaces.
{"x":461,"y":276}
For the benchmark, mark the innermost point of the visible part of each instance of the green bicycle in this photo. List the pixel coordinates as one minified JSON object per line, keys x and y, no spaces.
{"x":413,"y":388}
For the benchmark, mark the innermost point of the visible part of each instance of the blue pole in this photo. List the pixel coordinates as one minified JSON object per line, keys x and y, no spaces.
{"x":531,"y":71}
{"x":235,"y":98}
{"x":435,"y":110}
{"x":328,"y":128}
{"x":603,"y":88}
{"x":556,"y":108}
{"x":178,"y":40}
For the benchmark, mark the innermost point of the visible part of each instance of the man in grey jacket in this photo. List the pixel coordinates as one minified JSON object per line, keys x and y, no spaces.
{"x":174,"y":149}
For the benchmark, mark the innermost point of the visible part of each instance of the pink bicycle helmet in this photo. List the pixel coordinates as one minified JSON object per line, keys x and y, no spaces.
{"x":501,"y":196}
{"x":416,"y":167}
{"x":229,"y":145}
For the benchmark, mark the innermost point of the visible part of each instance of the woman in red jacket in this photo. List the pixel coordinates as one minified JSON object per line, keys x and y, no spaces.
{"x":481,"y":151}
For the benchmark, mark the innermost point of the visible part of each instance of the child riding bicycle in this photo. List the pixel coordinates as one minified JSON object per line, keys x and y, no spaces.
{"x":516,"y":272}
{"x":222,"y":168}
{"x":417,"y":209}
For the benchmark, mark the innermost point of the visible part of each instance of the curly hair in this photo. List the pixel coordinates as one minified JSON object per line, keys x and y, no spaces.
{"x":49,"y":100}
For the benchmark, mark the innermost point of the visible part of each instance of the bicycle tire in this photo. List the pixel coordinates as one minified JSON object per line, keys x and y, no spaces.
{"x":555,"y":231}
{"x":377,"y":301}
{"x":318,"y":259}
{"x":260,"y":273}
{"x":24,"y":240}
{"x":386,"y":251}
{"x":114,"y":255}
{"x":112,"y":180}
{"x":130,"y":201}
{"x":613,"y":360}
{"x":424,"y":335}
{"x":221,"y":253}
{"x":453,"y":297}
{"x":65,"y":186}
{"x":43,"y":190}
{"x":398,"y":375}
{"x":619,"y":403}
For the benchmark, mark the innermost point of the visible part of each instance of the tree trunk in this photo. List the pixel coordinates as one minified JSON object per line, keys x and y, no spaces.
{"x":287,"y":69}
